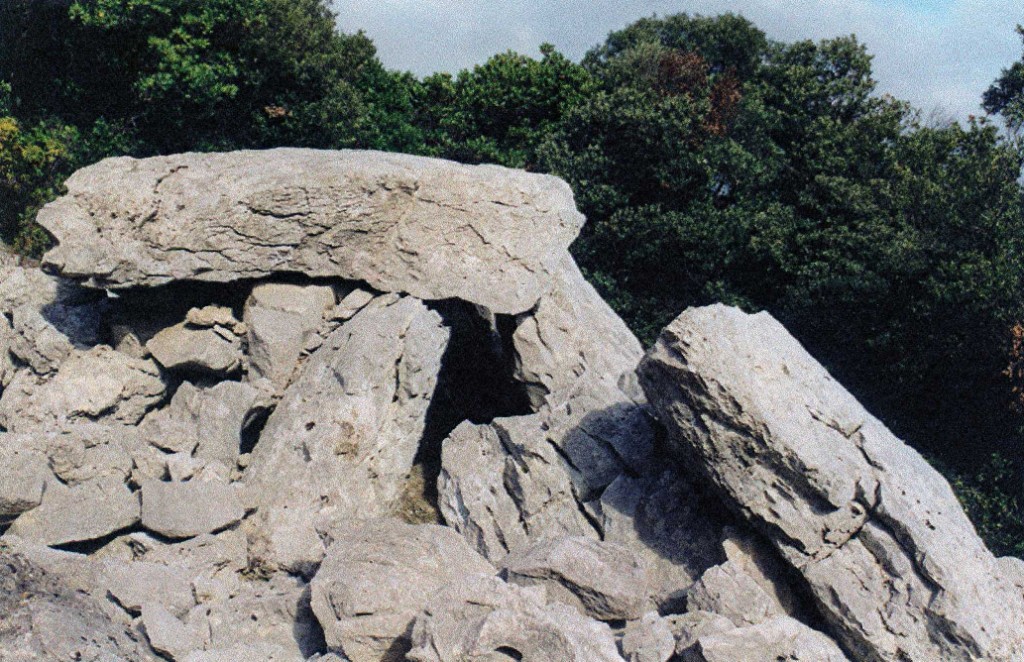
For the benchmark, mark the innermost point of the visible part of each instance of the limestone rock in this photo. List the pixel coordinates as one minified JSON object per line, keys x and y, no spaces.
{"x":280,"y":319}
{"x":665,"y":520}
{"x":434,"y":229}
{"x":86,"y":511}
{"x":207,"y":350}
{"x":206,"y":422}
{"x":45,"y":619}
{"x":132,"y":585}
{"x":482,"y":618}
{"x":886,"y":550}
{"x":603,"y":580}
{"x":165,"y":633}
{"x":377,"y":577}
{"x":185,"y":510}
{"x":345,"y":434}
{"x":728,"y":591}
{"x":351,"y":304}
{"x":781,"y":638}
{"x":504,"y":485}
{"x":691,"y":626}
{"x":98,"y":384}
{"x":649,"y":639}
{"x":245,"y":653}
{"x":23,"y":475}
{"x":271,"y":613}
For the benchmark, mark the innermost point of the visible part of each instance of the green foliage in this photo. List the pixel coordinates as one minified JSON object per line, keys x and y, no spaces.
{"x":499,"y":112}
{"x":1006,"y":95}
{"x":991,"y":497}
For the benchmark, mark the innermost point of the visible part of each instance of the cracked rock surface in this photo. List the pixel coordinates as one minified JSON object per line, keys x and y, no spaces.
{"x":361,"y":407}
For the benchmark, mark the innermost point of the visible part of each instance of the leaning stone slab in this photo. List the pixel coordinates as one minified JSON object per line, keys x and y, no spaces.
{"x":345,"y":434}
{"x":434,"y":229}
{"x":893,"y":562}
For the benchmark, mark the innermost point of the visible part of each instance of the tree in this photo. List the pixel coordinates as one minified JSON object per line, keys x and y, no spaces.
{"x":1005,"y":96}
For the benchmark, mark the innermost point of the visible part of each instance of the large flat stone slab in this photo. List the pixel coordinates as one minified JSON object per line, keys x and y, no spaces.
{"x":432,"y":228}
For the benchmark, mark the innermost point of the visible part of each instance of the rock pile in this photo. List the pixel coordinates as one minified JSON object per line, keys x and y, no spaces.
{"x":299,"y":405}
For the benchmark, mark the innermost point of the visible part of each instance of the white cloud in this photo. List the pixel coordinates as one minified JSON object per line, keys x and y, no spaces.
{"x":939,"y":59}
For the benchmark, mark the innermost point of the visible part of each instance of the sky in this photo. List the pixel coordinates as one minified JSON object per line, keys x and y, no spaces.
{"x":938,"y":54}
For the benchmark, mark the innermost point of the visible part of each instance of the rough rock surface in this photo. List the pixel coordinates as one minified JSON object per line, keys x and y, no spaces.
{"x":880,"y":539}
{"x":345,"y":434}
{"x":482,"y":618}
{"x":431,"y":228}
{"x":280,"y":319}
{"x":185,"y":510}
{"x":43,"y":619}
{"x":377,"y":576}
{"x":306,"y":360}
{"x":780,"y":638}
{"x":603,"y":580}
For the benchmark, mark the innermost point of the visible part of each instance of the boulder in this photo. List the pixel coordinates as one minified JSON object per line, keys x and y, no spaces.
{"x":878,"y":536}
{"x":691,"y":626}
{"x":483,"y":618}
{"x":504,"y":485}
{"x":166,"y":633}
{"x":86,"y":511}
{"x":245,"y":653}
{"x":603,"y":580}
{"x":649,"y":639}
{"x":185,"y":510}
{"x":134,"y":584}
{"x":214,"y":350}
{"x":23,"y":474}
{"x":434,"y":229}
{"x":205,"y":422}
{"x":344,"y":436}
{"x":781,"y":638}
{"x":378,"y":576}
{"x":98,"y":384}
{"x":664,"y":519}
{"x":45,"y":619}
{"x":280,"y":319}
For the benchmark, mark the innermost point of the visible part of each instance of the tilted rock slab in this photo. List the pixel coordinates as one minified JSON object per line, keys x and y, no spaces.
{"x":434,"y":229}
{"x":889,"y":555}
{"x":344,"y":436}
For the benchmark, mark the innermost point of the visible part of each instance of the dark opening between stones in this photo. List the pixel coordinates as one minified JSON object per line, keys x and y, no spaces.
{"x":476,"y":383}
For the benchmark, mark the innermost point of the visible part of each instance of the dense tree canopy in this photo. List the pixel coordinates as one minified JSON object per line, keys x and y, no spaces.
{"x":712,"y":162}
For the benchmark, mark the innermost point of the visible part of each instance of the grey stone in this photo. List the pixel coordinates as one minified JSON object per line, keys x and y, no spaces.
{"x":602,"y":579}
{"x":345,"y":434}
{"x":504,"y":485}
{"x":206,"y":350}
{"x":206,"y":422}
{"x":781,"y":638}
{"x":213,"y":316}
{"x":274,"y":612}
{"x":137,"y":583}
{"x":23,"y":474}
{"x":98,"y":384}
{"x":86,"y":511}
{"x":351,"y":304}
{"x":434,"y":229}
{"x":482,"y":618}
{"x":165,"y":633}
{"x":185,"y":510}
{"x":245,"y":653}
{"x":729,"y":591}
{"x":689,"y":627}
{"x":280,"y":319}
{"x":377,"y":577}
{"x":891,"y":559}
{"x":664,"y":520}
{"x":46,"y":619}
{"x":649,"y":639}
